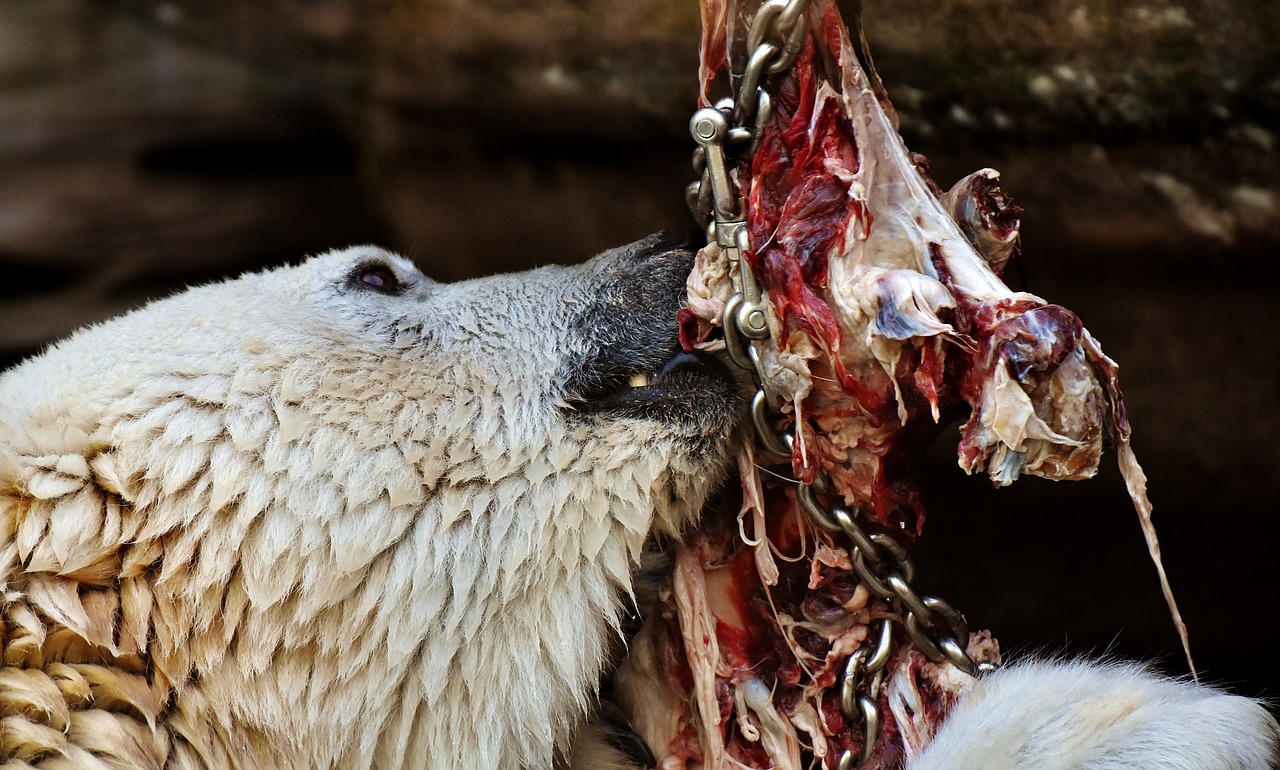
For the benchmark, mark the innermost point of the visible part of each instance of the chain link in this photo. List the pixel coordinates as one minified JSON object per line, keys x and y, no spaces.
{"x":730,"y":132}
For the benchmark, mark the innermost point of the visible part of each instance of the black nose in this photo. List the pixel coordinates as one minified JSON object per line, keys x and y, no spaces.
{"x":674,"y":239}
{"x":652,"y":265}
{"x":641,"y":289}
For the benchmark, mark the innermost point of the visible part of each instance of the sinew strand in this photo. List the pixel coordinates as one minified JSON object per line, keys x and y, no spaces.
{"x":1135,"y":480}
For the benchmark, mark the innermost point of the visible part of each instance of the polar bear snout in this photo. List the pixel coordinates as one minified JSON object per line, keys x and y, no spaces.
{"x":632,"y":365}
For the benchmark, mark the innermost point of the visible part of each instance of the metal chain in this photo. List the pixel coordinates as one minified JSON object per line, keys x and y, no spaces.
{"x":732,"y":129}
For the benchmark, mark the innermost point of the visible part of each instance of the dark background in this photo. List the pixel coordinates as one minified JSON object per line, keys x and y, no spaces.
{"x":145,"y":146}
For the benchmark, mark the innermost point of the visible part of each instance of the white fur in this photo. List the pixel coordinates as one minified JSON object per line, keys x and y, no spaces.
{"x":1099,"y":716}
{"x":346,"y":529}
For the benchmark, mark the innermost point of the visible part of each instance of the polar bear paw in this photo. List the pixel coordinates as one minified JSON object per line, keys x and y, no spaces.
{"x":1100,"y":716}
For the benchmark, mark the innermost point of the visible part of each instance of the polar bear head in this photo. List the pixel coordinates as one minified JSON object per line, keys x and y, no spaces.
{"x":338,"y":514}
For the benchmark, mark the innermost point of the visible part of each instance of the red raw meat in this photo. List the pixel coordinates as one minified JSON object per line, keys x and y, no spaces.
{"x":886,"y":312}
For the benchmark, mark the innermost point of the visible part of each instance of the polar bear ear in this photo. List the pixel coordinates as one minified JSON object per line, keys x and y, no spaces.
{"x":672,"y":239}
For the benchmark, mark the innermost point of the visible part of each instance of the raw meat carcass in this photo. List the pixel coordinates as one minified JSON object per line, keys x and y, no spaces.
{"x":886,"y":311}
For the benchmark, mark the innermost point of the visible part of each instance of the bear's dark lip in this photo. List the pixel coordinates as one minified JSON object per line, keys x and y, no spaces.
{"x":680,"y":374}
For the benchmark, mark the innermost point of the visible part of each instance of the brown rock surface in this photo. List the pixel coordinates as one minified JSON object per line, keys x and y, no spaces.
{"x":145,"y":145}
{"x":1130,"y":126}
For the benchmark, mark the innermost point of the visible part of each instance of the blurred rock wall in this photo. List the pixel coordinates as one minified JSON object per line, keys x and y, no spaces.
{"x":148,"y":144}
{"x":1133,"y":126}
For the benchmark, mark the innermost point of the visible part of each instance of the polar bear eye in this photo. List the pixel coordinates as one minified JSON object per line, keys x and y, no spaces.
{"x":379,"y":279}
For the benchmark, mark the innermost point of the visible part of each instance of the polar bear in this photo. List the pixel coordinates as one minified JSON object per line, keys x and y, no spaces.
{"x":339,"y":515}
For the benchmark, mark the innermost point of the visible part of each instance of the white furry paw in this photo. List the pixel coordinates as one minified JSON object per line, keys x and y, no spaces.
{"x":1096,"y":716}
{"x":609,"y":743}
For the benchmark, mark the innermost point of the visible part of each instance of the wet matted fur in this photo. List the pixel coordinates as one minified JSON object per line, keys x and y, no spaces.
{"x":339,"y":515}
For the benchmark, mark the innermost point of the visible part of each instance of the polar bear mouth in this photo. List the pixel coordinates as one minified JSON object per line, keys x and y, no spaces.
{"x":686,"y":387}
{"x":681,"y":360}
{"x":683,"y":372}
{"x":631,"y":365}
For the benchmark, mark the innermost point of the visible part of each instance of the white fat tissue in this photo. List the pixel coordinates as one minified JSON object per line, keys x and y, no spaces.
{"x":891,"y":318}
{"x":709,"y":286}
{"x":753,"y":504}
{"x":699,"y":628}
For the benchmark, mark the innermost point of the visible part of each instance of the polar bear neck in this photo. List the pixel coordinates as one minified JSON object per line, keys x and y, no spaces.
{"x":401,"y":649}
{"x":405,"y":656}
{"x":318,"y":605}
